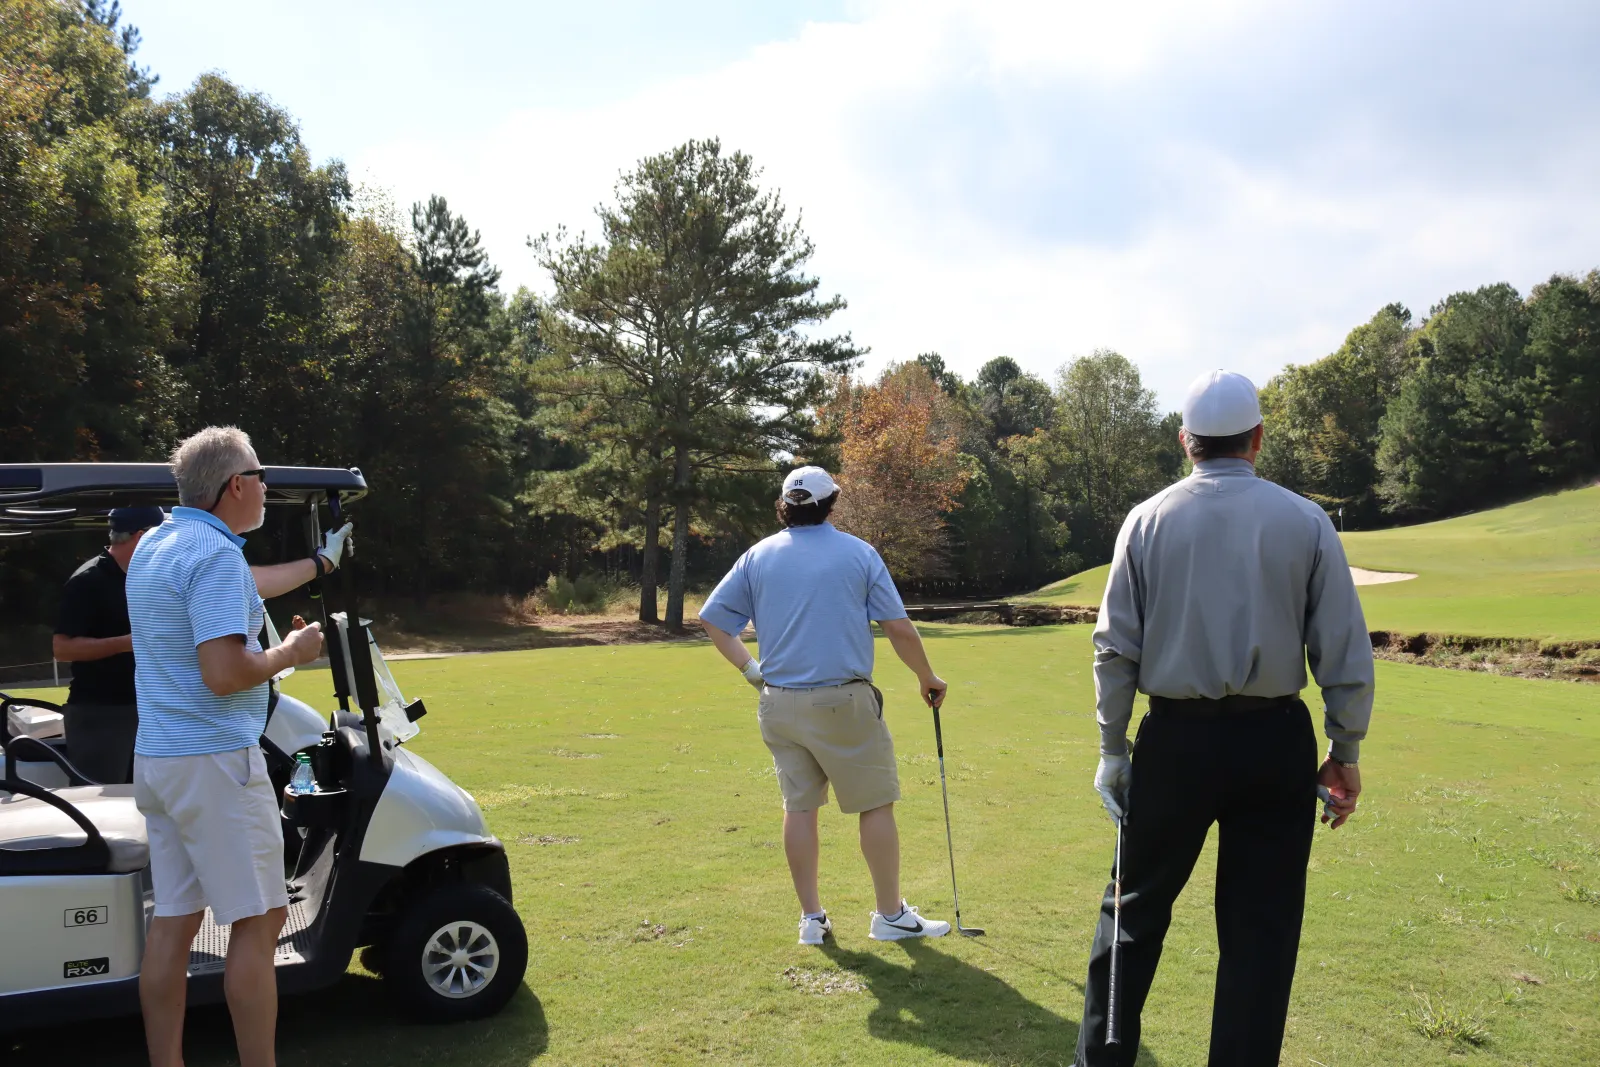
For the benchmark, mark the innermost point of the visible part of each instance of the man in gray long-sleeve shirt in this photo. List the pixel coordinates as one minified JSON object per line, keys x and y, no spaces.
{"x":1222,"y":586}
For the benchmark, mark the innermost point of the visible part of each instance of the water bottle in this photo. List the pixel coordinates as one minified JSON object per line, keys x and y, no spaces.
{"x":302,"y":781}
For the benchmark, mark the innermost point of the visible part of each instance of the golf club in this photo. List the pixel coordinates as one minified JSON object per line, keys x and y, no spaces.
{"x":938,"y":740}
{"x":1113,"y":1028}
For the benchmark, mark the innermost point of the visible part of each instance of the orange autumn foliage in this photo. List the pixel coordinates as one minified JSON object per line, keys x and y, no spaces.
{"x":902,"y":468}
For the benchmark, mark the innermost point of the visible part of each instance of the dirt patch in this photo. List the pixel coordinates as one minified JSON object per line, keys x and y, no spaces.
{"x":979,"y":618}
{"x":1518,"y":657}
{"x":570,"y":630}
{"x":1001,"y":614}
{"x":1577,"y":661}
{"x":822,"y":983}
{"x":508,"y":795}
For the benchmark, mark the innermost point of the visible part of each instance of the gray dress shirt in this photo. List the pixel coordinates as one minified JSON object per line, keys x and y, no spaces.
{"x":1224,"y":583}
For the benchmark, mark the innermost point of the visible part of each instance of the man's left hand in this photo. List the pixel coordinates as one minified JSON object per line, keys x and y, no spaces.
{"x":1344,"y":786}
{"x":333,"y":547}
{"x":1112,"y":780}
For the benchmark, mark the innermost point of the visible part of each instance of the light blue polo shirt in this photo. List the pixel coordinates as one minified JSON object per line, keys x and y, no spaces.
{"x":810,"y":590}
{"x":188,"y":583}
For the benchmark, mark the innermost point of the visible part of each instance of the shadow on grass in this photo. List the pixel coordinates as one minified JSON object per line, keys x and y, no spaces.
{"x":352,"y":1022}
{"x":958,"y":1010}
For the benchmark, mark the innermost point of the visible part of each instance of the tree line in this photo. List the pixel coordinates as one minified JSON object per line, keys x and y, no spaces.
{"x":168,"y":263}
{"x":1492,"y":397}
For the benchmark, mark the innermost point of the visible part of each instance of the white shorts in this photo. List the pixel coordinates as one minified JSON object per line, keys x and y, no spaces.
{"x":216,"y":838}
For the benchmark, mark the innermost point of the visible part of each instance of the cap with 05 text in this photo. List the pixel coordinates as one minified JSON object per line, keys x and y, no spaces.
{"x":803,"y":485}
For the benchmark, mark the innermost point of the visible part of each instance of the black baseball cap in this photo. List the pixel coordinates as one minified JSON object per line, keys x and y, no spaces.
{"x":132,"y":520}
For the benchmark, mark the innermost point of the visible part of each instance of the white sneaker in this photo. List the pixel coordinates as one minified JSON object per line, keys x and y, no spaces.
{"x":812,"y":931}
{"x":907,"y":924}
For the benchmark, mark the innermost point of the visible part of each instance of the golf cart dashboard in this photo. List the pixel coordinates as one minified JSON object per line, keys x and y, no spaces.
{"x":48,"y":497}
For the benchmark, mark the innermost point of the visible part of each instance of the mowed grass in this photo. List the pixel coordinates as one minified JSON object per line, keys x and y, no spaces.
{"x":1530,"y":570}
{"x":639,"y":809}
{"x":1083,"y":590}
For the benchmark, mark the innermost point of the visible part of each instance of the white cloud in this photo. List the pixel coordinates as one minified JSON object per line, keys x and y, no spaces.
{"x":1194,"y":185}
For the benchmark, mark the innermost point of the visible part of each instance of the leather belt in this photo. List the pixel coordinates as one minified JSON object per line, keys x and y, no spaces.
{"x":1238,"y":704}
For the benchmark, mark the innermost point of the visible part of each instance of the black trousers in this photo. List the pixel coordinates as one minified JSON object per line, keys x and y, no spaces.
{"x":100,"y":740}
{"x":1253,"y":773}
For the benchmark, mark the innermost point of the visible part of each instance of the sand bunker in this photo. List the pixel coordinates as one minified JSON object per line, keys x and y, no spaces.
{"x":1363,"y":576}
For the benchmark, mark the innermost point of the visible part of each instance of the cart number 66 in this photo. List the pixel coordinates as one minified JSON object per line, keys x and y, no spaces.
{"x":95,"y":916}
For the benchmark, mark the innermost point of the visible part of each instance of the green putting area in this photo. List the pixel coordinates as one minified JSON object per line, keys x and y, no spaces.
{"x":1528,"y":570}
{"x":1456,"y":919}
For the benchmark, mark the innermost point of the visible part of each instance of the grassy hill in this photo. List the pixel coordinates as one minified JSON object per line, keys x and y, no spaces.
{"x":1527,"y":570}
{"x":1084,"y":589}
{"x":1530,"y":569}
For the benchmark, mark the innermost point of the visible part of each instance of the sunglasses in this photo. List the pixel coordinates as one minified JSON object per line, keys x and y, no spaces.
{"x":259,"y":472}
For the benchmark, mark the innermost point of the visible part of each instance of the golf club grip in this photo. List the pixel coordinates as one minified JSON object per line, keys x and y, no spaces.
{"x":1113,"y":1027}
{"x":938,"y":734}
{"x":1113,"y":1023}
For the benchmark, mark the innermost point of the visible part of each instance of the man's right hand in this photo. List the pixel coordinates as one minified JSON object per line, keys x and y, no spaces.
{"x":933,"y":689}
{"x":1344,"y":787}
{"x":304,"y":643}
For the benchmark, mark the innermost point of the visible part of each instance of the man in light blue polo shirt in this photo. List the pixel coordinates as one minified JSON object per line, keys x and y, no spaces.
{"x":813,"y":592}
{"x":199,"y":778}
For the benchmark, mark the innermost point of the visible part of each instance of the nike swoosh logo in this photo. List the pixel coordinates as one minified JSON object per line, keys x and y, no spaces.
{"x":914,"y":929}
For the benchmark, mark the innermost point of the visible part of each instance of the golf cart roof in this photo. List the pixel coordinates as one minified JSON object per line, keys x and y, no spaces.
{"x":39,"y":497}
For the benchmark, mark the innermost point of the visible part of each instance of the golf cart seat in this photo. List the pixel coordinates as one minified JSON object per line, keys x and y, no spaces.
{"x":85,"y":829}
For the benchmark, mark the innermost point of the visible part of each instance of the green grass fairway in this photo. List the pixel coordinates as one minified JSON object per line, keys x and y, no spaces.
{"x":637,"y":801}
{"x":1528,"y":570}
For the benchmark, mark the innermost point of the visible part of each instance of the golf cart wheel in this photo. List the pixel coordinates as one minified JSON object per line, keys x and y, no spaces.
{"x":459,"y":953}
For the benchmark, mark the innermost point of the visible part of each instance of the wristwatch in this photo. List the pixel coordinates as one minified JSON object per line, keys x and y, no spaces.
{"x":1343,"y":763}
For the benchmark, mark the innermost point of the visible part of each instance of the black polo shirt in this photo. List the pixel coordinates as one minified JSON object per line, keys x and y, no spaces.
{"x":95,"y":604}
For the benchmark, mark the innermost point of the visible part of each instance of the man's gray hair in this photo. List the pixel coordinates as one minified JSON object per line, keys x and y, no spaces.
{"x":202,"y":464}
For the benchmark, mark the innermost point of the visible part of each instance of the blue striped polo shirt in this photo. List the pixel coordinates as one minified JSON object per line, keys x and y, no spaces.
{"x":188,"y":583}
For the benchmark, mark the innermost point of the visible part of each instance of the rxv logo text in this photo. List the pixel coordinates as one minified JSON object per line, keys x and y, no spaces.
{"x":86,"y":968}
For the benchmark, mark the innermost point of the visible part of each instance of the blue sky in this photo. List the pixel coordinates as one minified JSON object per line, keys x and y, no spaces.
{"x":1194,"y":184}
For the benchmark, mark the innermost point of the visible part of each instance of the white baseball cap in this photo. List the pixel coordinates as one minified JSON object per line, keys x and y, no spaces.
{"x":804,"y":485}
{"x":1220,"y":404}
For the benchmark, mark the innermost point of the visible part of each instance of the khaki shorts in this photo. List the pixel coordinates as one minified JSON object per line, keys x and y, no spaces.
{"x":832,"y":734}
{"x":216,"y":838}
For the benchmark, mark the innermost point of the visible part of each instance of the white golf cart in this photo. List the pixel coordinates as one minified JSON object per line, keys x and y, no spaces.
{"x":387,"y":855}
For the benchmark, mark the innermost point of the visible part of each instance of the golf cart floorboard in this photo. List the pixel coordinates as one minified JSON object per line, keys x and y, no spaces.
{"x":209,"y":953}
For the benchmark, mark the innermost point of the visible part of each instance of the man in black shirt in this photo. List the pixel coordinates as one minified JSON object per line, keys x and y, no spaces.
{"x":93,"y":634}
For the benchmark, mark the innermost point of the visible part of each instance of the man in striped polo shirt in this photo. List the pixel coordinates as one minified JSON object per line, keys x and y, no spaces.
{"x":199,"y":776}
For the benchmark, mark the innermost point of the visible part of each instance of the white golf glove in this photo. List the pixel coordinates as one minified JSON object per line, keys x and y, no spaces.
{"x":333,"y":545}
{"x":1112,"y":779}
{"x":752,"y":673}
